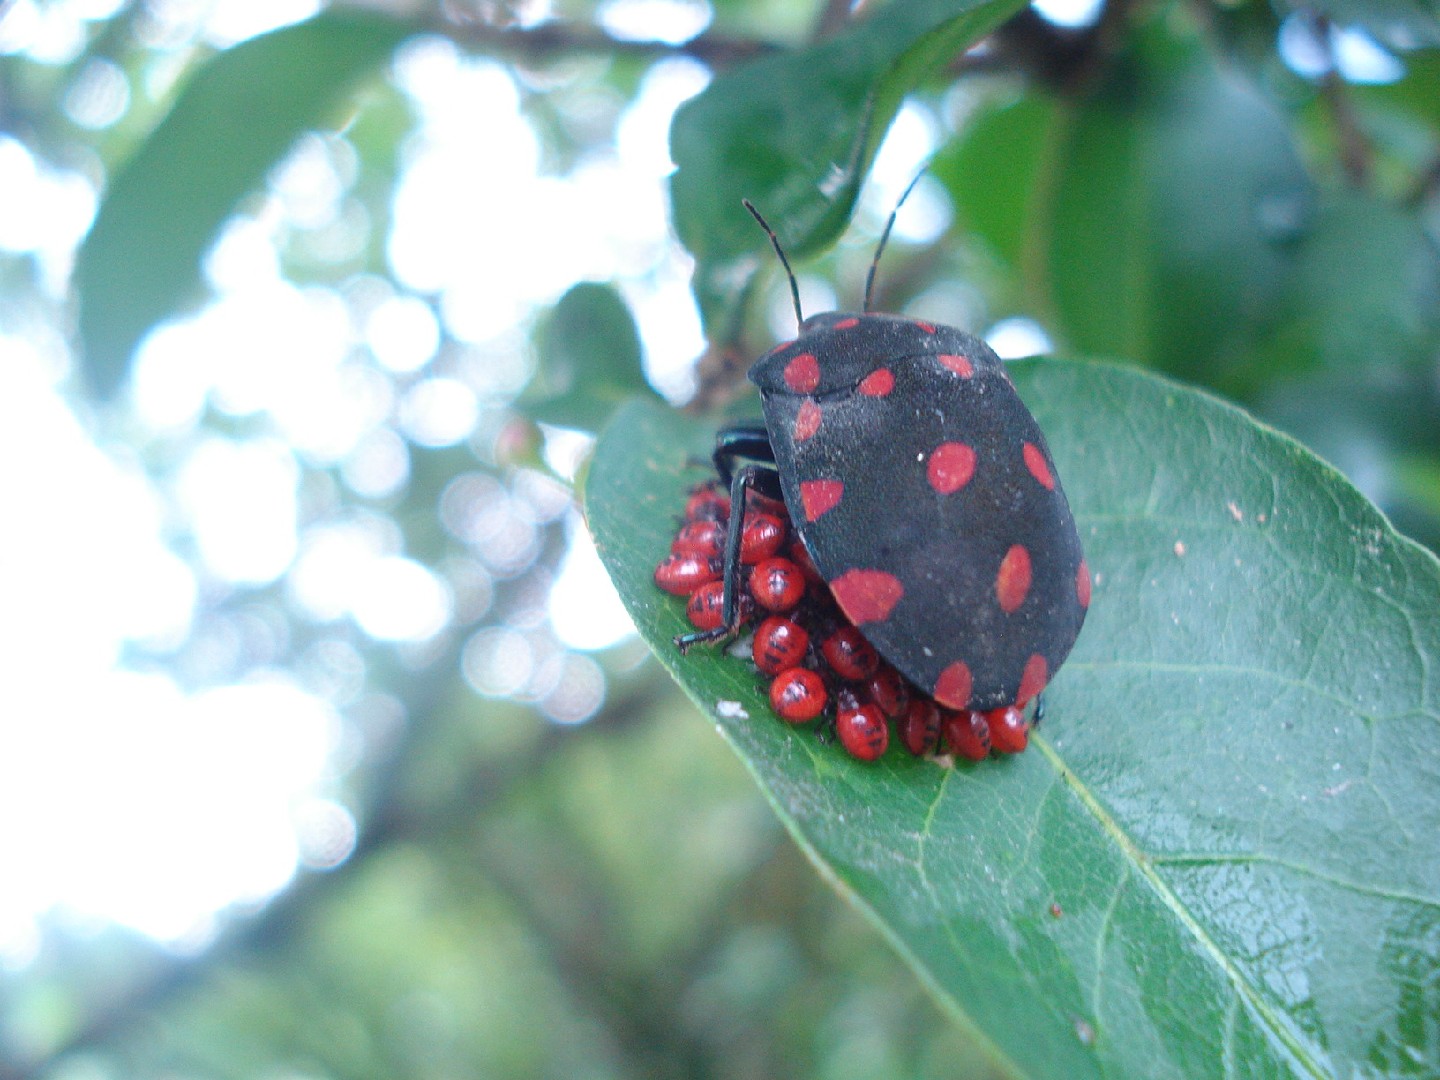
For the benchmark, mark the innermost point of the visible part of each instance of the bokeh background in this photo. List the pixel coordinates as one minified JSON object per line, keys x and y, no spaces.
{"x":325,"y":747}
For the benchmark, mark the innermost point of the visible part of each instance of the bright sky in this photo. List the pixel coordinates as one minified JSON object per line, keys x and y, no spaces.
{"x":123,"y":797}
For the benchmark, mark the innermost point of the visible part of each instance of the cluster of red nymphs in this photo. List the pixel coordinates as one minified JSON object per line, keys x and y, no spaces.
{"x":804,"y":644}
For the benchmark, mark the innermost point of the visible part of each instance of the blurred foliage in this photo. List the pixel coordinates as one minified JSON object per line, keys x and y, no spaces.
{"x":264,"y":94}
{"x":536,"y":898}
{"x":589,"y":360}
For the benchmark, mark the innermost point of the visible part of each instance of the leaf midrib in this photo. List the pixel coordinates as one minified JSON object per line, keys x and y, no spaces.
{"x":1143,"y":866}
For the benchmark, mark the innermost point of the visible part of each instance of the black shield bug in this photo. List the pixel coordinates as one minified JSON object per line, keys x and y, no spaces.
{"x":925,"y":494}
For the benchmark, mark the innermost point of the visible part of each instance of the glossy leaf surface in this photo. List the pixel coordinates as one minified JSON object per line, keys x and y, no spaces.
{"x":1217,"y":858}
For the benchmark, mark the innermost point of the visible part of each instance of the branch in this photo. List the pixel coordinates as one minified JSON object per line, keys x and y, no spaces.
{"x":552,"y":39}
{"x":1426,"y":184}
{"x":833,"y":17}
{"x":1355,"y":148}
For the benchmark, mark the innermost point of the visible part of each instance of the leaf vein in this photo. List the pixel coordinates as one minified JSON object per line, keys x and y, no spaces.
{"x":1142,"y":864}
{"x":1362,"y":888}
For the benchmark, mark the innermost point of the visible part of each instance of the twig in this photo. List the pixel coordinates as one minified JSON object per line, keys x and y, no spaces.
{"x":564,"y":38}
{"x":1426,"y":185}
{"x":1356,"y":151}
{"x":833,"y":17}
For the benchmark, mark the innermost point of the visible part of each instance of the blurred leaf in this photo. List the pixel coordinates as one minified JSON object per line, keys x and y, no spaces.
{"x":589,"y":352}
{"x":795,"y":132}
{"x":1232,"y":803}
{"x":1401,"y":24}
{"x":992,"y":172}
{"x":1374,"y":423}
{"x":1419,"y":480}
{"x":1365,"y":292}
{"x":235,"y":119}
{"x":1401,"y":121}
{"x":1418,"y":91}
{"x":1174,"y":192}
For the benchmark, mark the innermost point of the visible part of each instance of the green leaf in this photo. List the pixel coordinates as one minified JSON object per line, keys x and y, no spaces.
{"x":992,"y":173}
{"x":1374,"y":424}
{"x":1234,"y":800}
{"x":1417,"y":93}
{"x":234,"y":120}
{"x":1365,"y":293}
{"x":1174,"y":195}
{"x":795,"y":132}
{"x":589,"y":353}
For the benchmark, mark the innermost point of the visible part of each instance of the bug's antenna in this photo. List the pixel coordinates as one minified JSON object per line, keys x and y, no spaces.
{"x":884,"y":237}
{"x":775,"y":243}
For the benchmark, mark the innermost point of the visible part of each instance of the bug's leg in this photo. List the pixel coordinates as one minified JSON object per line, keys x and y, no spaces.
{"x":748,"y":441}
{"x":766,"y":480}
{"x":1039,"y":710}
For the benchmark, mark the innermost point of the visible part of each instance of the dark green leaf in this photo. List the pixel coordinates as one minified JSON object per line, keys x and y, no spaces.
{"x":589,"y":353}
{"x":795,"y":132}
{"x":1174,"y":195}
{"x":237,"y":117}
{"x":1374,"y":423}
{"x":1233,"y":802}
{"x":1365,"y":294}
{"x":1095,"y":229}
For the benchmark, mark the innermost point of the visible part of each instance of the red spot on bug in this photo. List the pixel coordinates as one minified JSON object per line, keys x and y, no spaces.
{"x":878,"y":383}
{"x":1038,"y":466}
{"x":820,"y":496}
{"x":952,"y":688}
{"x":867,"y":595}
{"x":802,"y":373}
{"x":1012,"y":583}
{"x":847,"y":324}
{"x":951,"y":466}
{"x":1082,"y":584}
{"x":960,"y":365}
{"x":1032,"y":679}
{"x":807,"y":420}
{"x":929,"y":328}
